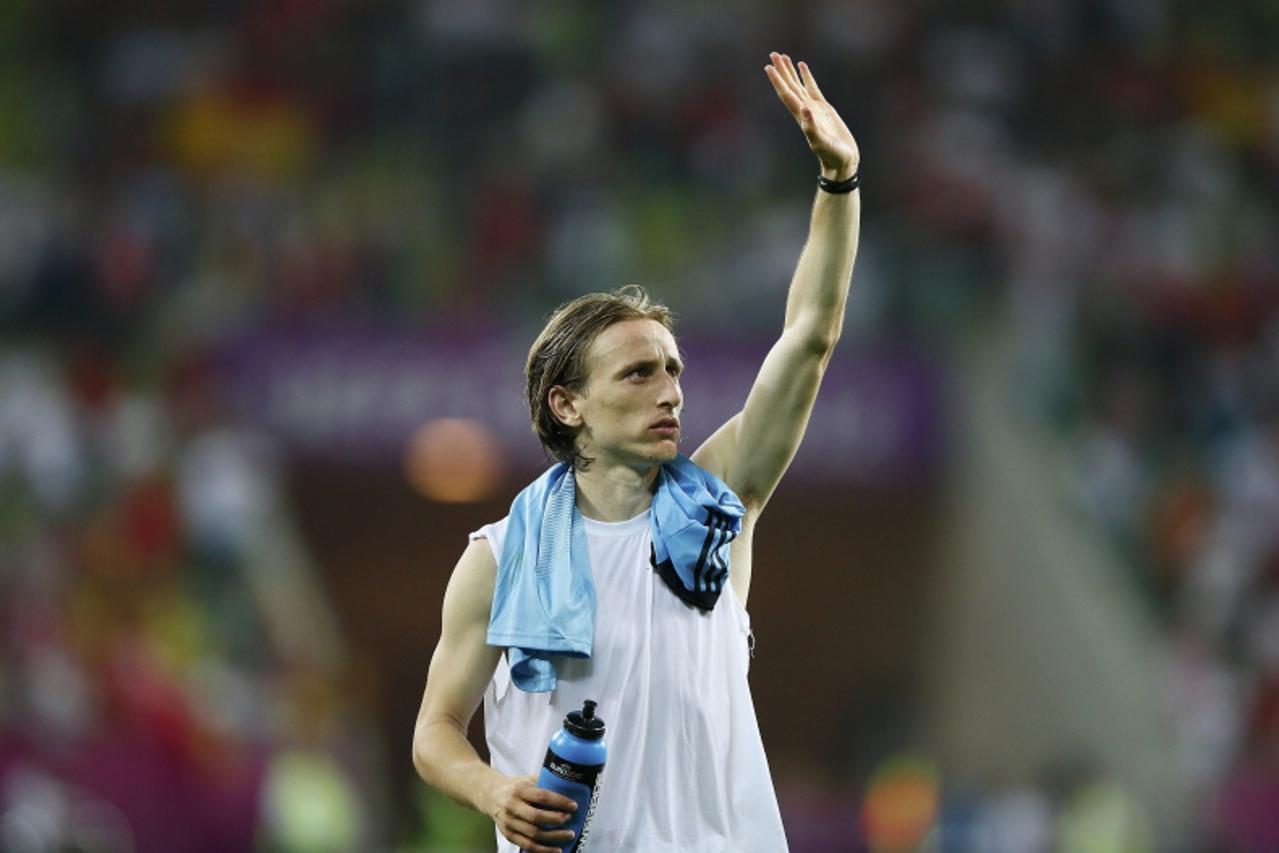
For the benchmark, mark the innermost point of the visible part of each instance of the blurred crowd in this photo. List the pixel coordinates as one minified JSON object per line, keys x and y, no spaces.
{"x":170,"y":676}
{"x":1101,"y":176}
{"x":1141,"y":261}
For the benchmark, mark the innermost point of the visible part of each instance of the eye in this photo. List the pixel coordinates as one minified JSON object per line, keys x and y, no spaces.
{"x":674,"y":370}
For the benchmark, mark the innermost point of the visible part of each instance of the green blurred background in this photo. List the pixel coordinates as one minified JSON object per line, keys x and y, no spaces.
{"x":268,"y":272}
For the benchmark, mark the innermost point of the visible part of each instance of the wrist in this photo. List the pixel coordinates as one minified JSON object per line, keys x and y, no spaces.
{"x":840,"y":172}
{"x":843,"y":187}
{"x":484,"y":794}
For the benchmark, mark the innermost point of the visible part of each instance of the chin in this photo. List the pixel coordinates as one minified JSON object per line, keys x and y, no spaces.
{"x":666,"y":451}
{"x":656,"y":454}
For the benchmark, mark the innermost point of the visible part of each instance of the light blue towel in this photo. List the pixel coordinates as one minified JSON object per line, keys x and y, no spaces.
{"x":544,"y":599}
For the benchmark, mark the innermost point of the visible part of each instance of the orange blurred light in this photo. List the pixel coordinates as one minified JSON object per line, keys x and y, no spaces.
{"x":454,"y":460}
{"x":901,"y":804}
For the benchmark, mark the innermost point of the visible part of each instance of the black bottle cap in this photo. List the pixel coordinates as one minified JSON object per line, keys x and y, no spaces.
{"x":584,"y":723}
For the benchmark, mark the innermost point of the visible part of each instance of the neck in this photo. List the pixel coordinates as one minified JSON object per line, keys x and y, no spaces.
{"x":616,"y":492}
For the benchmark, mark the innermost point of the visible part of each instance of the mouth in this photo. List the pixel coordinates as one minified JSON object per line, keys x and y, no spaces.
{"x":666,"y":427}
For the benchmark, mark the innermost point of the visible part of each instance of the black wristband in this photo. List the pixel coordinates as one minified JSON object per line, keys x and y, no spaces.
{"x":839,"y":187}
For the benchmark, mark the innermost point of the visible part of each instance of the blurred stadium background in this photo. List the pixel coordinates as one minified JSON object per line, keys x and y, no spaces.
{"x":268,"y":272}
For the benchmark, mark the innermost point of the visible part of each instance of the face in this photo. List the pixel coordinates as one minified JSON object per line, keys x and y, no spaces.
{"x":629,"y":407}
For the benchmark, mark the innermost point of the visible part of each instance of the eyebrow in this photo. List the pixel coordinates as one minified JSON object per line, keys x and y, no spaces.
{"x":647,"y":362}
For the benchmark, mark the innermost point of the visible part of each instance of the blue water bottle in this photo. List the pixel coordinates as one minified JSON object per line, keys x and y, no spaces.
{"x":574,"y":762}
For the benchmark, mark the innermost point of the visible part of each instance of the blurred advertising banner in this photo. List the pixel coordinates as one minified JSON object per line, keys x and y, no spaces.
{"x":364,"y":395}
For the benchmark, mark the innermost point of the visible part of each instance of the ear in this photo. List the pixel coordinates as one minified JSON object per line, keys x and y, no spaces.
{"x":563,"y":403}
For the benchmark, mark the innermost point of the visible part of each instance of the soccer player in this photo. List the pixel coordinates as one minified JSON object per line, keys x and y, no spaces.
{"x":604,"y":581}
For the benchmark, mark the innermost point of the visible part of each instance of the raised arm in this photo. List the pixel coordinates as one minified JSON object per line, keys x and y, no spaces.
{"x":461,"y":666}
{"x":753,"y":450}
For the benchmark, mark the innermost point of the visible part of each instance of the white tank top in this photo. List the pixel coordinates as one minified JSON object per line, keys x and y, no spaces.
{"x":686,"y":770}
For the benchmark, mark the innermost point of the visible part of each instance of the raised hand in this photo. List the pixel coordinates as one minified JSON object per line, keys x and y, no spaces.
{"x":825,"y":131}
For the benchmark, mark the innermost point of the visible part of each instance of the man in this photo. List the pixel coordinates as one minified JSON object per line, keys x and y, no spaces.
{"x":663,"y":655}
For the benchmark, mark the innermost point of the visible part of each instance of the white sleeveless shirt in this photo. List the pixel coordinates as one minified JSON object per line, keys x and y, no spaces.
{"x":686,"y":770}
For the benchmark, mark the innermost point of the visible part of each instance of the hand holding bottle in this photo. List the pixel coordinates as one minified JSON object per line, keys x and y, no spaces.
{"x":520,"y":810}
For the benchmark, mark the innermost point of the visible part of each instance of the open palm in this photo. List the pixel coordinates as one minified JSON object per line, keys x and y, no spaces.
{"x":825,"y":131}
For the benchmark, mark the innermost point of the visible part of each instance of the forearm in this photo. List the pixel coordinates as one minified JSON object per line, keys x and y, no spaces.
{"x":823,"y":276}
{"x":446,"y":761}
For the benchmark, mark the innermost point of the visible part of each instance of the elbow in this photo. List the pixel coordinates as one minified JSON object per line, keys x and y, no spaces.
{"x":420,"y":752}
{"x":820,"y":343}
{"x":418,"y":763}
{"x":431,"y":738}
{"x":825,"y":345}
{"x":815,"y":336}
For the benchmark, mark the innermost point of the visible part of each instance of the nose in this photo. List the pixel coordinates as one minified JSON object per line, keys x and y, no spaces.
{"x":671,"y":397}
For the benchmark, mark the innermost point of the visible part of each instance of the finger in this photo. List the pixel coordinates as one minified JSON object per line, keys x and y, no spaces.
{"x":546,"y":818}
{"x":783,"y":91}
{"x":542,"y":826}
{"x":542,"y":796}
{"x":539,"y":817}
{"x":526,"y":843}
{"x":536,"y":833}
{"x":787,"y":75}
{"x":792,"y":74}
{"x":810,"y":83}
{"x":523,"y":842}
{"x":555,"y":836}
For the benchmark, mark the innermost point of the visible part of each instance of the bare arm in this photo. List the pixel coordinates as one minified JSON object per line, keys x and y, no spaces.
{"x":754,"y":448}
{"x":462,"y":665}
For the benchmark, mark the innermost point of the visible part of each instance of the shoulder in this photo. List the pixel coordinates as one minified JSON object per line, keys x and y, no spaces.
{"x":494,"y":534}
{"x":469,"y":594}
{"x":470,"y":588}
